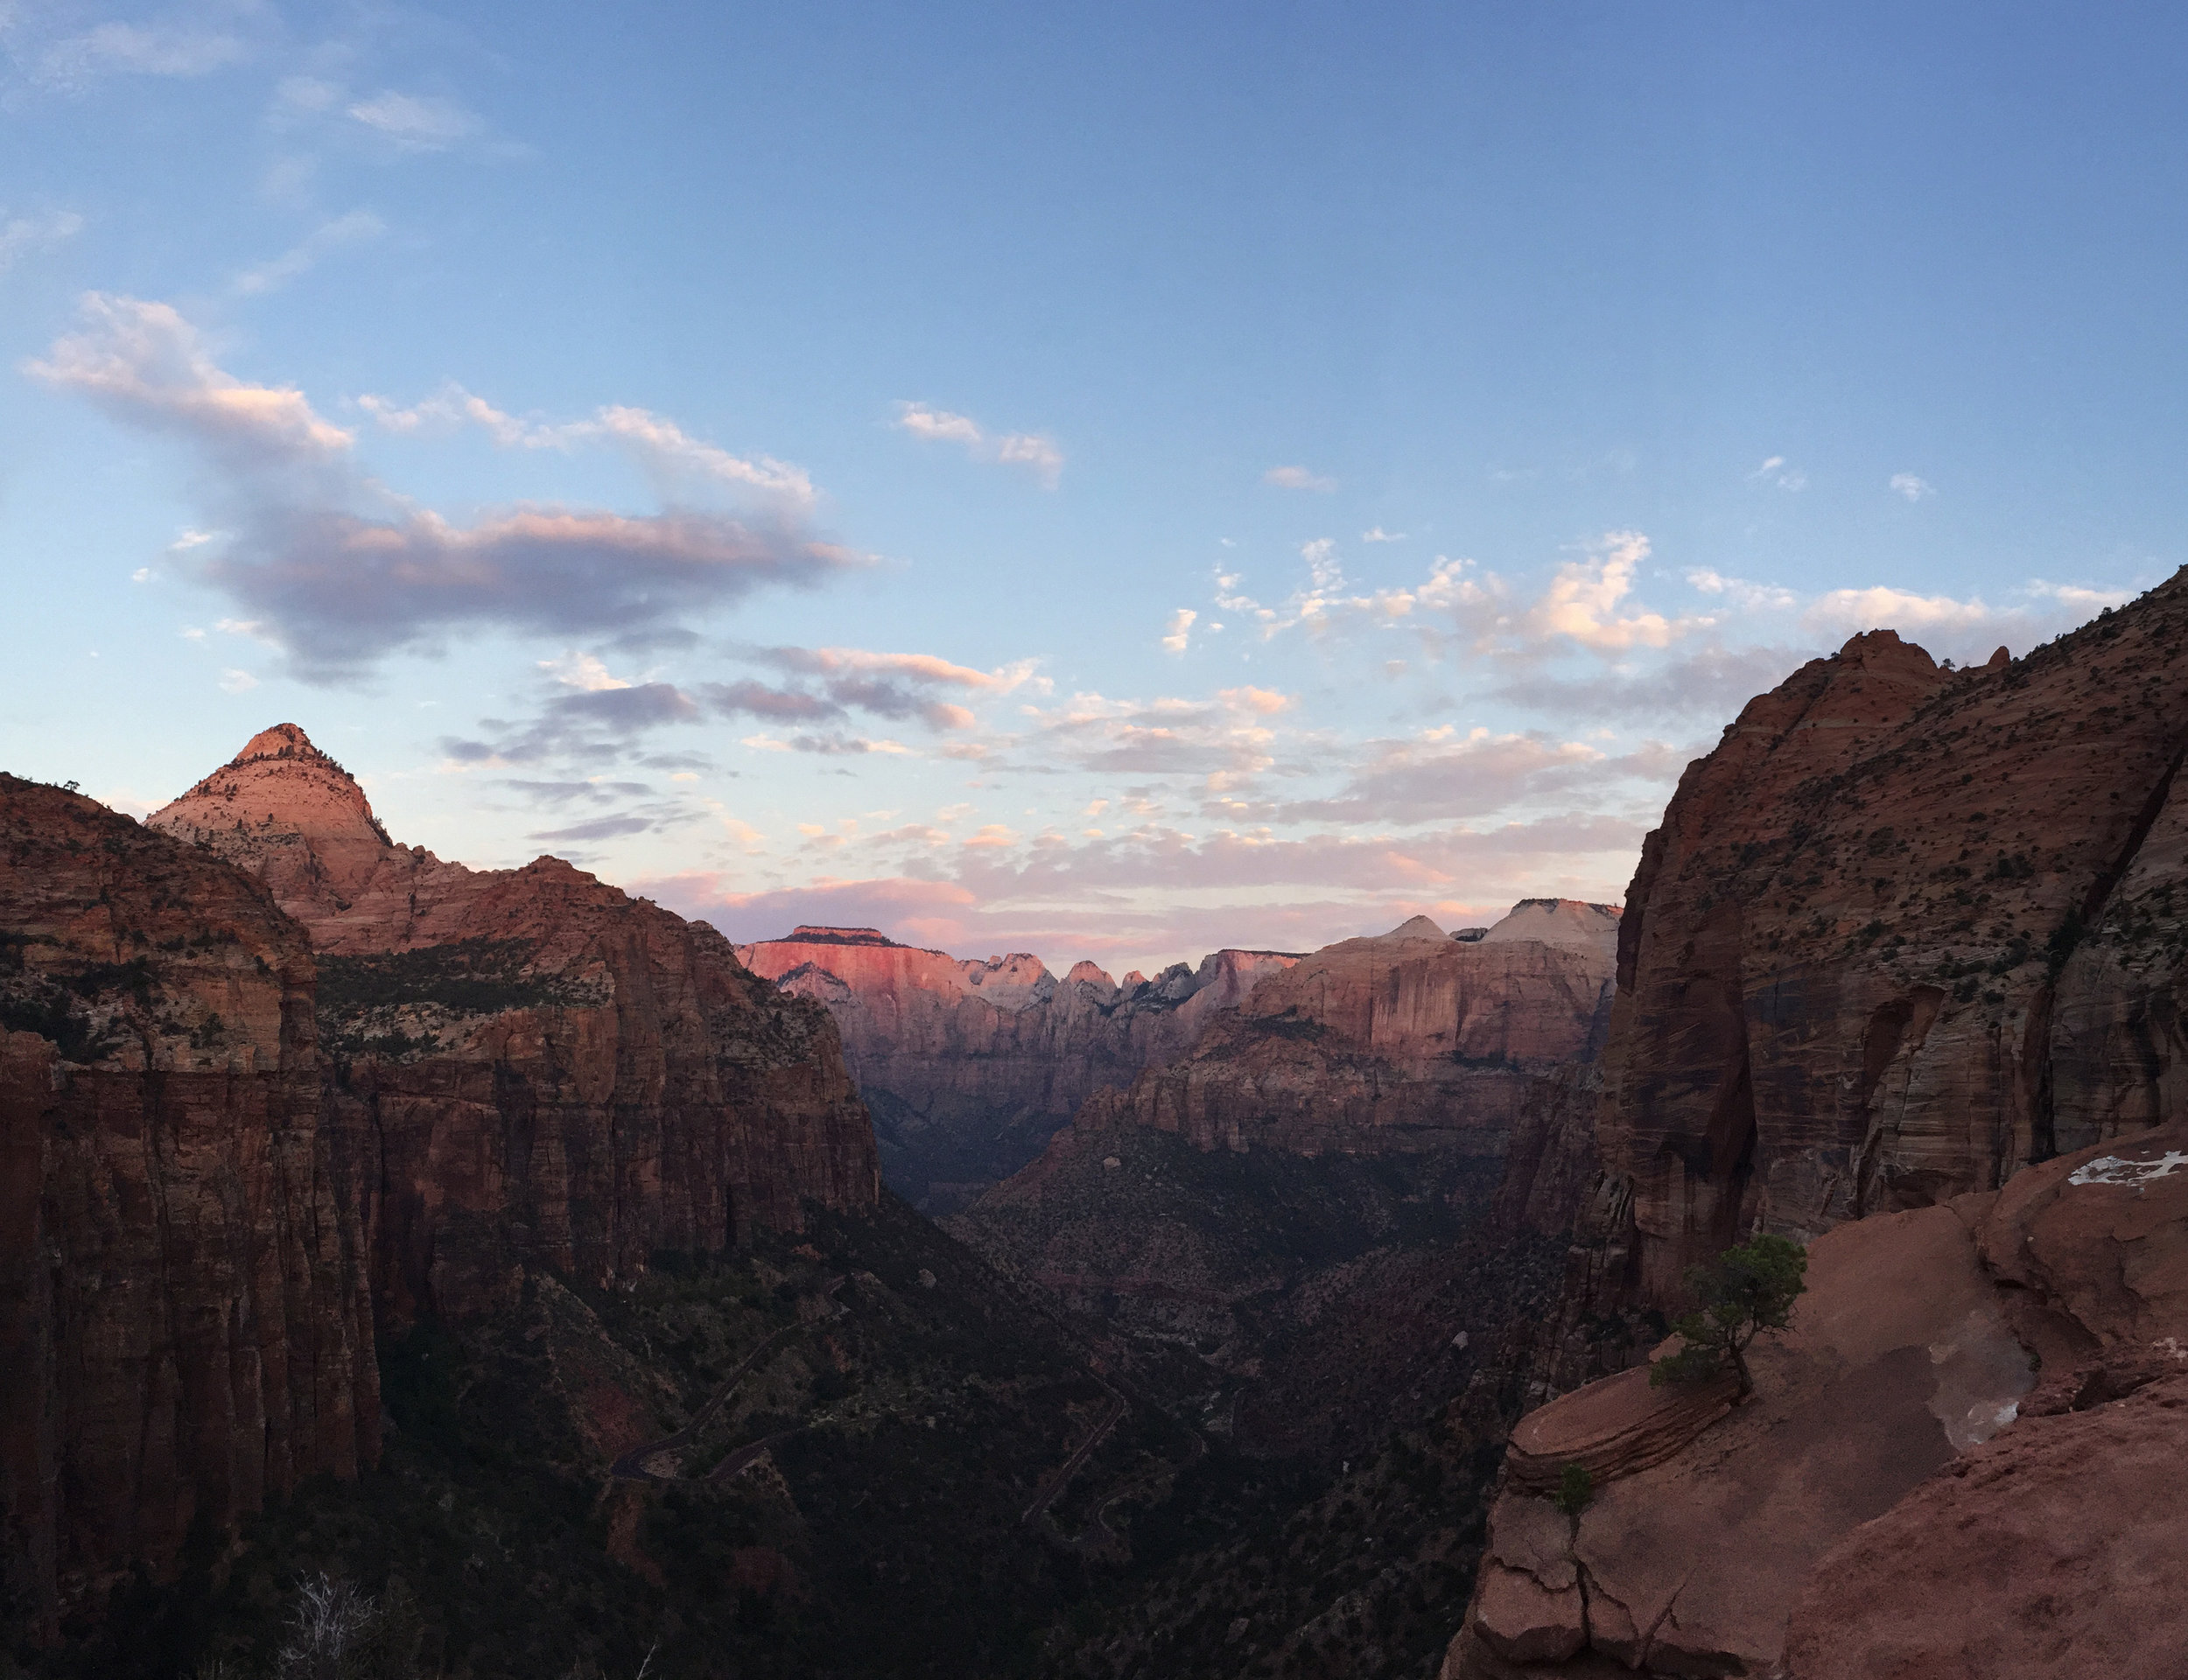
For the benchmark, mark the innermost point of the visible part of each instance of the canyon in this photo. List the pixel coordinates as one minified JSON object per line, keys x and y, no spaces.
{"x":1270,"y":1303}
{"x":969,"y":1067}
{"x":1357,"y":1103}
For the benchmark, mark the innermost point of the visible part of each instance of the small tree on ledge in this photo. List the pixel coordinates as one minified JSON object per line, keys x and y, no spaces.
{"x":1742,"y":1292}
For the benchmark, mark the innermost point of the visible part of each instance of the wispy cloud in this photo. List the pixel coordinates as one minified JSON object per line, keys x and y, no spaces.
{"x":1585,"y":601}
{"x":1035,"y":451}
{"x":591,"y":716}
{"x":21,"y":236}
{"x":1946,"y":624}
{"x":144,"y":364}
{"x":1708,"y":683}
{"x":1751,"y":597}
{"x":178,"y":50}
{"x":659,"y":445}
{"x":1912,"y":488}
{"x":354,"y":228}
{"x":415,"y":123}
{"x":1781,"y":472}
{"x":1298,"y":477}
{"x":1181,"y":629}
{"x":1378,"y":535}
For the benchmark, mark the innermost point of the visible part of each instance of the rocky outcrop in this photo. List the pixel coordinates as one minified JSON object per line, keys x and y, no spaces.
{"x":971,"y":1067}
{"x":532,"y":1067}
{"x":1955,"y":1456}
{"x":2056,"y":1550}
{"x":1407,"y":1041}
{"x":186,"y":1330}
{"x":1906,"y":932}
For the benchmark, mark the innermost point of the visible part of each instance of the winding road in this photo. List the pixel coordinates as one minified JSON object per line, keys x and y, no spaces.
{"x":1061,"y":1478}
{"x":633,"y":1465}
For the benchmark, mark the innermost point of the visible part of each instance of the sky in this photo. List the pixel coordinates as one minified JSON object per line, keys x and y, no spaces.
{"x":1106,"y":480}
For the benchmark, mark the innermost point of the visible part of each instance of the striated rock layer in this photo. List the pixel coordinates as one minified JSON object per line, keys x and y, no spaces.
{"x":1904,"y":932}
{"x":186,"y":1330}
{"x":1407,"y":1041}
{"x":534,"y":1068}
{"x":971,"y":1067}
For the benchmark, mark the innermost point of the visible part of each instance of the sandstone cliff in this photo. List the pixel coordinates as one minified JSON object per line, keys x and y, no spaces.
{"x":1900,"y":975}
{"x":1906,"y":932}
{"x":972,"y":1066}
{"x":186,"y":1330}
{"x":1407,"y":1041}
{"x":533,"y":1067}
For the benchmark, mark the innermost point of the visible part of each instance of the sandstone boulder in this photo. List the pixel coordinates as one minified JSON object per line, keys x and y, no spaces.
{"x":1952,"y":1463}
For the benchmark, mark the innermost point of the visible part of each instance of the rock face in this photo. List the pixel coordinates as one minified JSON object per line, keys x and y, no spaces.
{"x":1954,"y":1462}
{"x":1900,"y":975}
{"x":972,"y":1066}
{"x":1904,"y":932}
{"x":533,"y":1067}
{"x":1409,"y":1041}
{"x":2056,"y":1550}
{"x":185,"y":1329}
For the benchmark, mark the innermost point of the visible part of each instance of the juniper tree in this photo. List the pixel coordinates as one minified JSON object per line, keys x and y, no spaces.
{"x":1742,"y":1292}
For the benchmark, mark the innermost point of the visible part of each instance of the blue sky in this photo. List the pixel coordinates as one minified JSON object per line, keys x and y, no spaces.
{"x":1103,"y":480}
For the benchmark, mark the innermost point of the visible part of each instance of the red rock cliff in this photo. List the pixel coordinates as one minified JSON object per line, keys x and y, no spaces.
{"x":1906,"y":932}
{"x":185,"y":1325}
{"x":534,"y":1068}
{"x":1410,"y":1040}
{"x":972,"y":1065}
{"x":1902,"y":973}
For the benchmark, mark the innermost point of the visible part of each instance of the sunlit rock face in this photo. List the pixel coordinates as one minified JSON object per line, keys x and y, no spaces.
{"x":972,"y":1065}
{"x":186,"y":1328}
{"x":1405,"y":1042}
{"x":531,"y":1065}
{"x":1410,"y":1044}
{"x":1906,"y":931}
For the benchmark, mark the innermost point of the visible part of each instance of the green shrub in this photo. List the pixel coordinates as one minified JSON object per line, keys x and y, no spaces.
{"x":1577,"y":1488}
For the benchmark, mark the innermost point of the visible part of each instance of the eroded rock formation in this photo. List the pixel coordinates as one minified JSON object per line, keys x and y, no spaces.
{"x":1407,"y":1041}
{"x":534,"y":1067}
{"x":1955,"y":1455}
{"x":971,"y":1067}
{"x":185,"y":1325}
{"x":1906,"y":931}
{"x":226,"y":1165}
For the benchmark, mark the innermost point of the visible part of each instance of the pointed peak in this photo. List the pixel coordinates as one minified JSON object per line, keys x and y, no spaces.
{"x":279,"y":784}
{"x":282,"y":741}
{"x":1417,"y":927}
